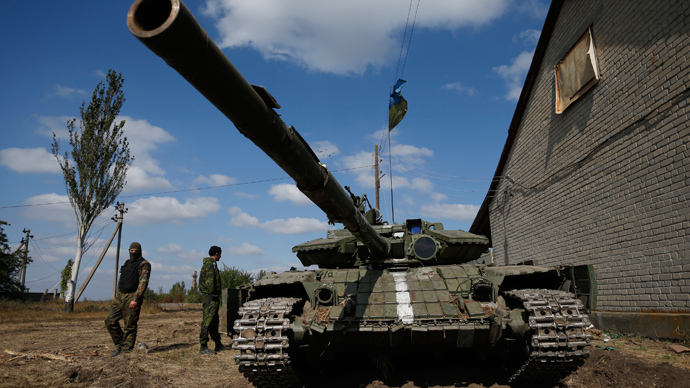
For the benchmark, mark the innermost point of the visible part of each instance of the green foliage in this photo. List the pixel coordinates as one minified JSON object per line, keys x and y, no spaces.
{"x":95,"y":169}
{"x":177,"y":292}
{"x":10,"y":264}
{"x":150,"y":295}
{"x":262,"y":273}
{"x":193,"y":296}
{"x":65,"y":275}
{"x":231,"y":277}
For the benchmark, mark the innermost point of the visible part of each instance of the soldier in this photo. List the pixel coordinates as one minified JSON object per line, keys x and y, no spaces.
{"x":134,"y":278}
{"x":209,"y":285}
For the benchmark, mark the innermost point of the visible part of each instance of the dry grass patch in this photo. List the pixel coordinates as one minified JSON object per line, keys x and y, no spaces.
{"x":17,"y":311}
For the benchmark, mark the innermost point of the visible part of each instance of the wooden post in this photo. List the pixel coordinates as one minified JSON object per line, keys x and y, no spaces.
{"x":121,"y":208}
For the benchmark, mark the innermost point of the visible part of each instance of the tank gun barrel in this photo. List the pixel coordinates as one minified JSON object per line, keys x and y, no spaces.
{"x":170,"y":30}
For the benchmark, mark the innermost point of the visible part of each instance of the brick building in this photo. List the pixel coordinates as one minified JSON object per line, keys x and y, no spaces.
{"x":596,"y":167}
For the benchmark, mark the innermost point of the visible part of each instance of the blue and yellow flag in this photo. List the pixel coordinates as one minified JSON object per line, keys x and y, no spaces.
{"x":397,"y":106}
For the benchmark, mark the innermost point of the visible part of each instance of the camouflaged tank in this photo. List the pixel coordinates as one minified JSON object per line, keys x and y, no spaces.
{"x":378,"y":286}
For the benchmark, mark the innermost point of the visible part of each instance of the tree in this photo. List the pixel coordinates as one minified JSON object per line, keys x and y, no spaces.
{"x":95,"y":169}
{"x":193,"y":295}
{"x":65,"y":275}
{"x":177,"y":292}
{"x":231,"y":277}
{"x":10,"y":264}
{"x":150,"y":295}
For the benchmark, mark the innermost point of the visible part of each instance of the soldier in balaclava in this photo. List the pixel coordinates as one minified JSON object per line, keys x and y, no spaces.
{"x":134,"y":278}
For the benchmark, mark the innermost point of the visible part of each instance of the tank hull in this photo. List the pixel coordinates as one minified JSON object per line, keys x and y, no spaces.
{"x":464,"y":307}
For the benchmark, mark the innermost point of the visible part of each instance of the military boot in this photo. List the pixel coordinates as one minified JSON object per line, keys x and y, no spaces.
{"x":116,"y":352}
{"x":206,"y":350}
{"x":220,"y":347}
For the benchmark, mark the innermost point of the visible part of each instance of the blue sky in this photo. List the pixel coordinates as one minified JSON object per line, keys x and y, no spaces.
{"x":196,"y":181}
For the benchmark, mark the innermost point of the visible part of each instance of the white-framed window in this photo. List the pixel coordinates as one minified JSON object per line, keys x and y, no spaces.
{"x":576,"y":72}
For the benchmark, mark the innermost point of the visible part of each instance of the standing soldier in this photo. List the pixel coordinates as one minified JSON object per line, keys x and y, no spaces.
{"x":209,"y":285}
{"x":134,"y":278}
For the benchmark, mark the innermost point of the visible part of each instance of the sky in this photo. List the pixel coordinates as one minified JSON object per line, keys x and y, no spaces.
{"x":197,"y":182}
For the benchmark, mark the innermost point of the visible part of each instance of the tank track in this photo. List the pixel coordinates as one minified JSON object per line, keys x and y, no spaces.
{"x":559,"y":342}
{"x":262,"y":340}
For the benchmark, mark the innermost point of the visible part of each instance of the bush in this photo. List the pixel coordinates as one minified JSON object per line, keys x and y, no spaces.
{"x":231,"y":277}
{"x":193,"y":296}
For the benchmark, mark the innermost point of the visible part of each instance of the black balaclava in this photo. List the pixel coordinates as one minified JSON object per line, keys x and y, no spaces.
{"x":134,"y":256}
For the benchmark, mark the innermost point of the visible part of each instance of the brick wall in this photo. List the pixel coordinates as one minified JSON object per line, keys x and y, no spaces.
{"x":608,"y":181}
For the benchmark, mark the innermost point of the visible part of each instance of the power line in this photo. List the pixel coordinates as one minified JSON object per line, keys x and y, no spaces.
{"x":183,"y":190}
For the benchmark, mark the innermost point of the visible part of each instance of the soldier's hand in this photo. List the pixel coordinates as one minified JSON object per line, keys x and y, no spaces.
{"x":133,"y":304}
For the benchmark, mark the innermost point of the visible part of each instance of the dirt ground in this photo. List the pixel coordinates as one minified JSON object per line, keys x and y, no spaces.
{"x":75,"y":352}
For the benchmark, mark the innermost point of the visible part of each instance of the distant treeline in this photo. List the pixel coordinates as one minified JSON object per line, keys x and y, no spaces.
{"x":230,"y":277}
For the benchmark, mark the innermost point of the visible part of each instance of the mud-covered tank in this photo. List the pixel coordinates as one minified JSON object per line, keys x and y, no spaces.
{"x":389,"y":287}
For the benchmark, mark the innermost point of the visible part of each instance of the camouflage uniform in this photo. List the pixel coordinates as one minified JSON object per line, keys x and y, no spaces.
{"x":209,"y":285}
{"x":119,"y":309}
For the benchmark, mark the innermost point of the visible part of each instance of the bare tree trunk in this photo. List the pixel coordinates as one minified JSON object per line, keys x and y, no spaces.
{"x":72,"y":283}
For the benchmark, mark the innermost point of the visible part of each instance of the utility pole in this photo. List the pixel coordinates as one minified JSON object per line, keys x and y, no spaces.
{"x":377,"y":180}
{"x":121,"y":208}
{"x":95,"y":267}
{"x":25,"y":243}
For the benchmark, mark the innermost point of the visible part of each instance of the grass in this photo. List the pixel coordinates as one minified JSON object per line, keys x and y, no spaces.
{"x":12,"y":311}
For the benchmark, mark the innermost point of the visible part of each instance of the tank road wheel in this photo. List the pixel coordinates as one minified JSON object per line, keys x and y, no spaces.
{"x":557,"y":342}
{"x":263,"y":340}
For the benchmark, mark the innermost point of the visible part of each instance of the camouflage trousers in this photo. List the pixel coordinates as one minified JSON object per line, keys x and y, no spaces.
{"x":209,"y":323}
{"x":119,"y":309}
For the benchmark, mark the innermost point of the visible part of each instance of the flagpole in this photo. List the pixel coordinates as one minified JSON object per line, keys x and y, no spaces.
{"x":390,"y":172}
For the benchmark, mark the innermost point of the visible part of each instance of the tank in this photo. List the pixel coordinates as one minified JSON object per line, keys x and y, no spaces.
{"x":410,"y":287}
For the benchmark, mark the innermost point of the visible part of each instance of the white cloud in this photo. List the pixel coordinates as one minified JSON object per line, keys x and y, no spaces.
{"x":515,"y":74}
{"x":529,"y":37}
{"x":288,"y":192}
{"x":241,"y":219}
{"x":157,"y":210}
{"x":405,"y":158}
{"x":452,"y":211}
{"x":410,"y":153}
{"x":49,"y":207}
{"x":245,"y":249}
{"x":297,"y":225}
{"x":54,"y":124}
{"x":320,"y":35}
{"x":29,"y":160}
{"x":59,"y":250}
{"x":67,"y":92}
{"x":460,"y":88}
{"x":139,"y":180}
{"x":215,"y":180}
{"x":422,"y":184}
{"x":144,"y":138}
{"x":177,"y":251}
{"x":170,"y":248}
{"x":165,"y":275}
